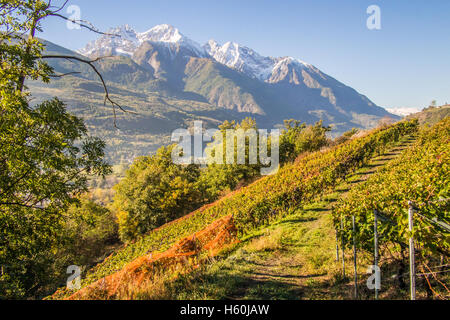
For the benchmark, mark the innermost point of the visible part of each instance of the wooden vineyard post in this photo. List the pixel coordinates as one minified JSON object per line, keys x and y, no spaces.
{"x":412,"y":267}
{"x":375,"y":239}
{"x":354,"y":257}
{"x":337,"y":246}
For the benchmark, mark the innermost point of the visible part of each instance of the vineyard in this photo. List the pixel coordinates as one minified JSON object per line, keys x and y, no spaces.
{"x":419,"y":175}
{"x":346,"y":200}
{"x":265,"y":200}
{"x":418,"y":180}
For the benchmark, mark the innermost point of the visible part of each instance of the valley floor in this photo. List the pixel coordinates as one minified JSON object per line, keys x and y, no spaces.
{"x":294,"y":258}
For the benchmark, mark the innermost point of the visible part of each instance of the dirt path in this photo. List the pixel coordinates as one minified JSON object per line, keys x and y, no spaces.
{"x":294,"y":258}
{"x":306,"y":266}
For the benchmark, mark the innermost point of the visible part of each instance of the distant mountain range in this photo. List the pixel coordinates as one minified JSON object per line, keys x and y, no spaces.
{"x":170,"y":80}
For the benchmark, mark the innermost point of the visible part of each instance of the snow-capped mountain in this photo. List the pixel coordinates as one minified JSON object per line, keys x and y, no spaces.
{"x":232,"y":77}
{"x":248,"y":61}
{"x":124,"y":40}
{"x":171,"y":80}
{"x":241,"y":58}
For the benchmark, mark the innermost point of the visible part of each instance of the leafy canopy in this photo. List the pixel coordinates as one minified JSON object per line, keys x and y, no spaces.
{"x":46,"y":155}
{"x":298,"y":137}
{"x":153,"y":192}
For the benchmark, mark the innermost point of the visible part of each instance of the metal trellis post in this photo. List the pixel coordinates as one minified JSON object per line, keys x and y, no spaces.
{"x":375,"y":239}
{"x":342,"y":245}
{"x":337,"y":246}
{"x":354,"y":257}
{"x":412,"y":267}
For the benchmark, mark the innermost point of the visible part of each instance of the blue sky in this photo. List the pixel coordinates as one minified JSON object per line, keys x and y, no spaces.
{"x":405,"y":64}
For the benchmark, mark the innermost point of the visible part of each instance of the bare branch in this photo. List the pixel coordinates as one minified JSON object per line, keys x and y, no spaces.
{"x":105,"y":88}
{"x":429,"y":284}
{"x":434,"y":276}
{"x":82,"y":23}
{"x":63,"y":74}
{"x":60,"y":8}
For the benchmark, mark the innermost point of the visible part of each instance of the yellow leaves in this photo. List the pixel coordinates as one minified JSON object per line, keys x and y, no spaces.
{"x":265,"y":199}
{"x":417,"y":175}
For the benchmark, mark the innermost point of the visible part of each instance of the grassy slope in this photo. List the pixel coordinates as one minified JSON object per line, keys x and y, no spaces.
{"x":286,"y":183}
{"x":294,"y":258}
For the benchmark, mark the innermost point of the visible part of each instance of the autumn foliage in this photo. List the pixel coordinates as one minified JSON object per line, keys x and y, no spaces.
{"x":187,"y":254}
{"x":265,"y":200}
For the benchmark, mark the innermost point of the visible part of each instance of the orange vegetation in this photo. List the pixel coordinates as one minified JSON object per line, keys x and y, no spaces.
{"x":180,"y":258}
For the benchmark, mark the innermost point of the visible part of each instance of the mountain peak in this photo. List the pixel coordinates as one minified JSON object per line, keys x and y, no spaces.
{"x":248,"y":61}
{"x":241,"y":58}
{"x":162,"y":33}
{"x":125,"y":32}
{"x":126,"y":27}
{"x":125,"y":41}
{"x":164,"y":26}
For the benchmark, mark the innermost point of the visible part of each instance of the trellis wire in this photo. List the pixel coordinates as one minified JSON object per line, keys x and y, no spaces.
{"x":379,"y":216}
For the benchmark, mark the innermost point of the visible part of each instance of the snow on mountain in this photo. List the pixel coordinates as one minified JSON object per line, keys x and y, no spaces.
{"x":124,"y":40}
{"x":169,"y":34}
{"x":241,"y":58}
{"x":404,"y":111}
{"x":248,"y":61}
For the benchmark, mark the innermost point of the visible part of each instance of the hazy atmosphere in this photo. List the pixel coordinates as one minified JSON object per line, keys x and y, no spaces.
{"x":225,"y":159}
{"x":403,"y":65}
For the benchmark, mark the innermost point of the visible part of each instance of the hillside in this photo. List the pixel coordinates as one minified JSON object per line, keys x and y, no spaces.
{"x":260,"y":204}
{"x":169,"y":80}
{"x":292,"y":258}
{"x":431,"y":115}
{"x":213,"y":177}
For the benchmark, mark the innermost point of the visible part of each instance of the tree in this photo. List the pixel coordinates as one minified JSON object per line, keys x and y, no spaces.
{"x":288,"y":139}
{"x":88,"y":229}
{"x":219,"y":178}
{"x":46,"y":155}
{"x":312,"y":138}
{"x":155,"y":191}
{"x":298,"y":137}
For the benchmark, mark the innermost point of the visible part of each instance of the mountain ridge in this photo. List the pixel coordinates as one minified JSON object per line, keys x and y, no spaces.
{"x":124,"y":40}
{"x":169,"y":45}
{"x":170,"y":81}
